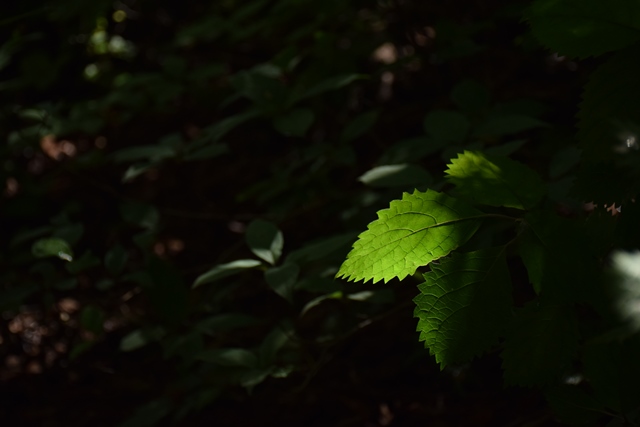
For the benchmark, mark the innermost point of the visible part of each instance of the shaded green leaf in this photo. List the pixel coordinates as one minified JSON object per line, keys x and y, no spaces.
{"x":327,"y":85}
{"x":320,"y":249}
{"x":139,"y":338}
{"x":402,"y":175}
{"x":318,"y":300}
{"x":85,"y":262}
{"x":464,"y":305}
{"x":150,"y":414}
{"x":495,"y":181}
{"x":295,"y":122}
{"x":92,"y":319}
{"x":414,"y":231}
{"x":225,"y":322}
{"x":505,"y":149}
{"x":411,"y":150}
{"x":151,"y":153}
{"x":563,"y":161}
{"x":274,"y":342}
{"x":52,"y":247}
{"x":380,"y":296}
{"x":207,"y":152}
{"x":136,"y":169}
{"x":532,"y":252}
{"x":359,"y":125}
{"x":265,"y":240}
{"x":115,"y":260}
{"x":229,"y":357}
{"x":223,"y":270}
{"x":252,"y":378}
{"x":282,"y":279}
{"x":140,"y":214}
{"x":216,"y":131}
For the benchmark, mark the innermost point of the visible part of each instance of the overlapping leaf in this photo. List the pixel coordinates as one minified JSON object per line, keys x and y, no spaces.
{"x":495,"y":181}
{"x":464,"y":304}
{"x":414,"y":231}
{"x":582,"y":28}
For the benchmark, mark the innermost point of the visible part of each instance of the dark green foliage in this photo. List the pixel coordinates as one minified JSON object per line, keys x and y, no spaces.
{"x":464,"y":305}
{"x":182,"y":182}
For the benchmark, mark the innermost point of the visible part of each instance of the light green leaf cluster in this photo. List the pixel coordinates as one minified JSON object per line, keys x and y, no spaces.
{"x":495,"y":181}
{"x":414,"y":231}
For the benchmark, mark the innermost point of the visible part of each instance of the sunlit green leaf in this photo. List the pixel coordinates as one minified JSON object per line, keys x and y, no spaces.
{"x":414,"y":231}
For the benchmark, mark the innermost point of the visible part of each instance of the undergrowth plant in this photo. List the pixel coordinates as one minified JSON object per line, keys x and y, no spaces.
{"x":183,"y":183}
{"x":574,"y":333}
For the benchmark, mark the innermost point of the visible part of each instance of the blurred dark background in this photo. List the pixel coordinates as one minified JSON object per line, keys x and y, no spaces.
{"x":142,"y":140}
